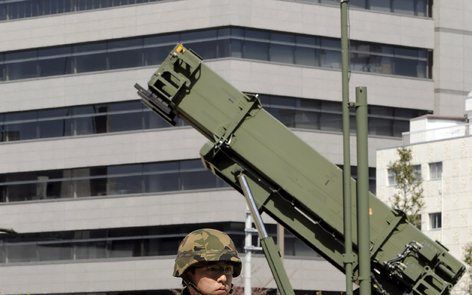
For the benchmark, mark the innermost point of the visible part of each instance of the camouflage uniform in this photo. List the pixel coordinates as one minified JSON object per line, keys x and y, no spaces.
{"x":205,"y":245}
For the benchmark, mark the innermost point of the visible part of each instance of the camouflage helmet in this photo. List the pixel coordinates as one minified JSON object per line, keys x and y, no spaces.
{"x":206,"y":245}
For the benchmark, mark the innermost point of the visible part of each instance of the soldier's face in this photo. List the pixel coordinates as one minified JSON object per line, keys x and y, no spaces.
{"x":213,"y":279}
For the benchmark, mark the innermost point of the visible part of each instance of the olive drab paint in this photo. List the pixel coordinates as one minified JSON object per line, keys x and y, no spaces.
{"x":291,"y":181}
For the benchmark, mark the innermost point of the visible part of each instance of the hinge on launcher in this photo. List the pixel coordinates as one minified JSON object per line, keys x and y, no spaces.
{"x":227,"y":131}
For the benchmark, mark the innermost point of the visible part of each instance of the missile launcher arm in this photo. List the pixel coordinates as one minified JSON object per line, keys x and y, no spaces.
{"x":290,"y":181}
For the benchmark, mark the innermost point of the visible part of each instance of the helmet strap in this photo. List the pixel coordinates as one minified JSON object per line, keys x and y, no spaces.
{"x":192,"y":285}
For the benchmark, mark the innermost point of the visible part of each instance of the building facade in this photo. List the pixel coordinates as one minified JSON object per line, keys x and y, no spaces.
{"x":441,"y":158}
{"x":101,"y":190}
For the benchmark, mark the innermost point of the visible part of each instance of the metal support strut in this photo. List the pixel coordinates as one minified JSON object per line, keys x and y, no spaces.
{"x":363,"y":207}
{"x":271,"y":251}
{"x":347,"y":206}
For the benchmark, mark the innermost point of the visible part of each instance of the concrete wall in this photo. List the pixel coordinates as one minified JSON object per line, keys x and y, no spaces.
{"x":452,"y":55}
{"x":252,"y":76}
{"x":138,"y":210}
{"x":449,"y":195}
{"x":125,"y":211}
{"x":148,"y":274}
{"x":96,"y":150}
{"x":148,"y":146}
{"x":174,"y":16}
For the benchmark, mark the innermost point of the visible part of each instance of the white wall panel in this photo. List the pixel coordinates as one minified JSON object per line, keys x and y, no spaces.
{"x":150,"y":274}
{"x":264,"y":77}
{"x":449,"y":195}
{"x":330,"y":145}
{"x":124,"y":211}
{"x":452,"y":55}
{"x":174,"y":16}
{"x":258,"y":77}
{"x":139,"y":147}
{"x":97,"y":150}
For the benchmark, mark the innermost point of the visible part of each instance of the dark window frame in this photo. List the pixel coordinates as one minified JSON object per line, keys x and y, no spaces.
{"x":134,"y":240}
{"x":33,"y":8}
{"x":110,"y":117}
{"x":102,"y":181}
{"x":101,"y":55}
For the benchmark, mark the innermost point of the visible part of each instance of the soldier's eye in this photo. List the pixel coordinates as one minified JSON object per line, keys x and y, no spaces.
{"x":213,"y":268}
{"x":228,"y":269}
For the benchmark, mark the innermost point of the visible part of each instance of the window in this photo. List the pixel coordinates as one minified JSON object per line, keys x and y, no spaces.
{"x":403,"y":7}
{"x":11,"y":10}
{"x":294,"y":112}
{"x":391,"y":180}
{"x":17,"y":9}
{"x":78,"y":120}
{"x":122,"y":242}
{"x":417,"y":171}
{"x":423,"y":7}
{"x":435,"y":220}
{"x":435,"y":171}
{"x":211,"y":43}
{"x":372,"y":172}
{"x":107,"y":180}
{"x":380,"y":5}
{"x":358,"y":3}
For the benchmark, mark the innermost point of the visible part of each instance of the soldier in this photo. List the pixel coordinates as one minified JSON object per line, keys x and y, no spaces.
{"x":207,"y":261}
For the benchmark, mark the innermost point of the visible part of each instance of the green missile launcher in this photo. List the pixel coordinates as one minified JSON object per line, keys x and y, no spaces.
{"x":292,"y":182}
